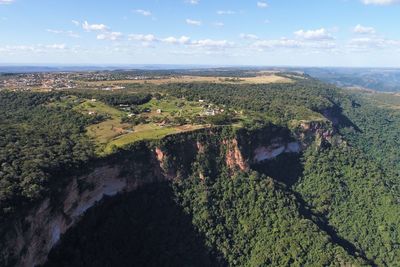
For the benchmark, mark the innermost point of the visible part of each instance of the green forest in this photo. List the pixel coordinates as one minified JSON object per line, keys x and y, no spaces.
{"x":331,"y":205}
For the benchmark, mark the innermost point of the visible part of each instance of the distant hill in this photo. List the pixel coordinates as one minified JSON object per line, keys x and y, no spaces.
{"x":384,"y":80}
{"x":377,"y":79}
{"x":77,"y":68}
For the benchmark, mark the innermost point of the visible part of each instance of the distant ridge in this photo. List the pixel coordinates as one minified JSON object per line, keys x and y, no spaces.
{"x":72,"y":68}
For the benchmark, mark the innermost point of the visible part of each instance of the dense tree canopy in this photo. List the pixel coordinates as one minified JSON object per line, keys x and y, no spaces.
{"x":331,"y":205}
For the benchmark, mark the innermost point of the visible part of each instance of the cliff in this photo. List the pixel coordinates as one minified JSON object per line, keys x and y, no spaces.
{"x":30,"y":237}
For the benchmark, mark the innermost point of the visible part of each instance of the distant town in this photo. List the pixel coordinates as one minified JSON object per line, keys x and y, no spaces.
{"x":63,"y":80}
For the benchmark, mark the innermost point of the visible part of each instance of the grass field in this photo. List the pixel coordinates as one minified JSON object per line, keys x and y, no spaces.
{"x":171,"y":107}
{"x":113,"y":133}
{"x":99,"y":108}
{"x":106,"y":131}
{"x":260,"y":79}
{"x":148,"y":132}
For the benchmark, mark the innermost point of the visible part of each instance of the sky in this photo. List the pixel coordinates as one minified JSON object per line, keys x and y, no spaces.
{"x":354,"y":33}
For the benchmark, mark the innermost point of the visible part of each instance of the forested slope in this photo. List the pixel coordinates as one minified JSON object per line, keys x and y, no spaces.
{"x":335,"y":203}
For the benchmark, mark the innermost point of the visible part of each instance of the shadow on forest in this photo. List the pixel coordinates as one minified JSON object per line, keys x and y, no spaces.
{"x":339,"y":120}
{"x":288,"y":168}
{"x":143,"y":228}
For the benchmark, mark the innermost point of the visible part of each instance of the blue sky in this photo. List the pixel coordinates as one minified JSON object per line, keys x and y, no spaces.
{"x":218,"y":32}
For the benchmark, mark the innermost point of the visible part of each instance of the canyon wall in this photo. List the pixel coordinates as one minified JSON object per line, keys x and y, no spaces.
{"x":30,"y":238}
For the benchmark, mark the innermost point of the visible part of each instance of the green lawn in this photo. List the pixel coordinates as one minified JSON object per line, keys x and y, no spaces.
{"x":99,"y":108}
{"x":112,"y":133}
{"x":148,"y":132}
{"x":173,"y":106}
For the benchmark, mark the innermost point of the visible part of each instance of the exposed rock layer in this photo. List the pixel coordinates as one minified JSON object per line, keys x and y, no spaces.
{"x":32,"y":237}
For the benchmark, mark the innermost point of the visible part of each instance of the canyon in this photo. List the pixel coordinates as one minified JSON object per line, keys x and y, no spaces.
{"x":30,"y":238}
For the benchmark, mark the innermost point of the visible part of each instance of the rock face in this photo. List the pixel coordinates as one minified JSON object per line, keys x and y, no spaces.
{"x":234,"y":158}
{"x":42,"y":228}
{"x":30,"y":239}
{"x":46,"y":225}
{"x":270,"y":152}
{"x":315,"y":131}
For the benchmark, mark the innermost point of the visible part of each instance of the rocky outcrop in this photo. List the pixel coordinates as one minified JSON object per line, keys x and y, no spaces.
{"x":30,"y":239}
{"x":274,"y":150}
{"x":320,"y":132}
{"x":46,"y":224}
{"x":234,"y":158}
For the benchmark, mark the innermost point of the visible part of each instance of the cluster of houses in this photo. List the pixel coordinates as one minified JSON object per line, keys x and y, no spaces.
{"x":210,"y":110}
{"x":113,"y":88}
{"x":49,"y":81}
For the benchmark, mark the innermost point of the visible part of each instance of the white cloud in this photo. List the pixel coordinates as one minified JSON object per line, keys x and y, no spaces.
{"x":94,"y":27}
{"x":262,"y":4}
{"x":173,"y":40}
{"x":56,"y":46}
{"x":72,"y":34}
{"x":285,"y":43}
{"x":281,"y":43}
{"x":368,"y":43}
{"x":209,"y":43}
{"x":54,"y":31}
{"x":380,"y":2}
{"x":316,"y":35}
{"x":193,"y":22}
{"x":75,"y":22}
{"x":147,"y":38}
{"x":248,"y":36}
{"x":192,"y":2}
{"x":17,"y":48}
{"x":226,"y":12}
{"x":363,"y":30}
{"x":38,"y":48}
{"x":6,"y":2}
{"x":68,"y":33}
{"x":183,"y":40}
{"x":142,"y":12}
{"x":112,"y":36}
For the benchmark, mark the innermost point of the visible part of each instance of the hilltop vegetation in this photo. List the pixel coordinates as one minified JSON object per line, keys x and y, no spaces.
{"x":336,"y":203}
{"x":37,"y":142}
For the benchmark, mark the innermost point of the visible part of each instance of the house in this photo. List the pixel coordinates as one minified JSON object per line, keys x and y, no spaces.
{"x":92,"y":112}
{"x":130,"y":115}
{"x":201,"y":101}
{"x":93,"y":100}
{"x":209,"y":112}
{"x":159,"y":111}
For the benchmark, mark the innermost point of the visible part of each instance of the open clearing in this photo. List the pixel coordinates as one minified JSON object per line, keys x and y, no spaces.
{"x":113,"y":133}
{"x":261,"y":79}
{"x":122,"y":124}
{"x":148,"y":132}
{"x":386,"y":100}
